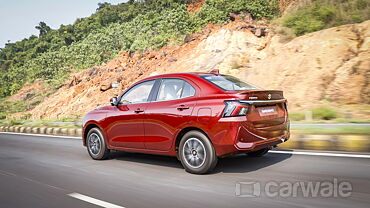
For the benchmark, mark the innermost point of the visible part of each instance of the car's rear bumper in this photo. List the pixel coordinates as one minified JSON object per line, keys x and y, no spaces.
{"x":253,"y":146}
{"x":241,"y":137}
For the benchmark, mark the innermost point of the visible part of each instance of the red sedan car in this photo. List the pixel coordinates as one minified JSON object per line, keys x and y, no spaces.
{"x":197,"y":117}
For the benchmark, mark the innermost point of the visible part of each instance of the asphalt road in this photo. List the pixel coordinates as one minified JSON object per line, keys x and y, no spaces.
{"x":43,"y":171}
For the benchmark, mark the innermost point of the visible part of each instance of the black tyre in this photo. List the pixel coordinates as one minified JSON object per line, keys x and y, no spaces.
{"x":96,"y":146}
{"x":196,"y":153}
{"x":258,"y":153}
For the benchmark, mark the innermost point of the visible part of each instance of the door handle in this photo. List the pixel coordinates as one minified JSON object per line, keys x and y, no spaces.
{"x":182,"y":107}
{"x":138,"y":110}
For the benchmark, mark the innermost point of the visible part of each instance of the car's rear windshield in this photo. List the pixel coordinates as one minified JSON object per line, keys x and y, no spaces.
{"x":228,"y":83}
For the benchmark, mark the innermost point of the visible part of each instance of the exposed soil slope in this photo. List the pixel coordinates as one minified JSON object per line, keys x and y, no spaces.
{"x":329,"y":66}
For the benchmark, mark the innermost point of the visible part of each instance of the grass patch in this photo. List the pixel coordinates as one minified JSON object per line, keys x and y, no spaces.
{"x":287,"y":34}
{"x":318,"y":15}
{"x":333,"y":131}
{"x":39,"y":123}
{"x":296,"y":116}
{"x":9,"y":107}
{"x":68,"y":119}
{"x":11,"y":122}
{"x":324,"y":113}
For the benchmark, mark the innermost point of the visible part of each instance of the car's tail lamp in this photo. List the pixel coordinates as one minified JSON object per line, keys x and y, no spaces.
{"x":235,"y":108}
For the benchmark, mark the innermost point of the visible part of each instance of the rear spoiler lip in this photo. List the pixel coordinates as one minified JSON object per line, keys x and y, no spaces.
{"x":262,"y":102}
{"x":246,"y":92}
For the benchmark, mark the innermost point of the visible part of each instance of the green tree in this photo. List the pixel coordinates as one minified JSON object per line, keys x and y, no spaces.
{"x":43,"y":28}
{"x":101,"y":5}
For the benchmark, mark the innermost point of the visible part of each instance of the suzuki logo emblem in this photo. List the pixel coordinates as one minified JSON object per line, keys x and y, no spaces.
{"x":269,"y":96}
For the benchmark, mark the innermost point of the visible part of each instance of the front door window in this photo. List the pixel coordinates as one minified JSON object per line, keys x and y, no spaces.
{"x":137,"y":94}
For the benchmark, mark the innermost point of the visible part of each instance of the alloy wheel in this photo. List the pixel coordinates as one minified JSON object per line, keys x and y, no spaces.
{"x":194,"y":152}
{"x":94,"y":144}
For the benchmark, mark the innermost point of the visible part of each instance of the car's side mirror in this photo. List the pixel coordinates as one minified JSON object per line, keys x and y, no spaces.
{"x":114,"y":101}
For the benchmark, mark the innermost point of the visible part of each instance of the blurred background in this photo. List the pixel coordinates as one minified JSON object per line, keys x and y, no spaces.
{"x":317,"y":52}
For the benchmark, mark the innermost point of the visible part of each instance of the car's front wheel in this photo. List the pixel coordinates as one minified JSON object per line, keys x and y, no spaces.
{"x":196,"y":153}
{"x":96,"y":145}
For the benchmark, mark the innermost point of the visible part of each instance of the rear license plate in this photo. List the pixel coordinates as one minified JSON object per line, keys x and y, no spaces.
{"x":267,"y":111}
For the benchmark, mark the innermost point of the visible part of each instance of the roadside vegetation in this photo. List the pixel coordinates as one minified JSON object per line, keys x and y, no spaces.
{"x":322,"y":14}
{"x":326,"y":114}
{"x":297,"y":116}
{"x":72,"y":123}
{"x":9,"y":107}
{"x":364,"y":130}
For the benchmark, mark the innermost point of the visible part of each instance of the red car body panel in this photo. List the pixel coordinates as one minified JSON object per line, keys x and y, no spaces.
{"x":154,"y":127}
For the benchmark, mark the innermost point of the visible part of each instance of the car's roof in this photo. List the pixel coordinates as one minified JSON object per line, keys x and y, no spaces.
{"x":182,"y":74}
{"x":195,"y":77}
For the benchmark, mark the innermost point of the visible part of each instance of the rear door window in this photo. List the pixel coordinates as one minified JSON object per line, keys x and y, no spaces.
{"x":172,"y":89}
{"x":188,"y":90}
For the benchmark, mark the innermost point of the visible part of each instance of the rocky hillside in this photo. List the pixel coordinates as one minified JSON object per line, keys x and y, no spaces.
{"x":331,"y":66}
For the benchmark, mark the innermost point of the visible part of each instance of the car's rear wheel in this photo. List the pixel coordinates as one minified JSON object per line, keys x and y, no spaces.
{"x":196,"y":153}
{"x":258,"y":153}
{"x":96,"y":146}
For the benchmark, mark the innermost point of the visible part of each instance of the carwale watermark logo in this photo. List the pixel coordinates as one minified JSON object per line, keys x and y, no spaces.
{"x":285,"y":189}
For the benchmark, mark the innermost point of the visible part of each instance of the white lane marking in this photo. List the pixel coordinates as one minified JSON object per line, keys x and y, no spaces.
{"x":42,"y":183}
{"x":6,"y":173}
{"x":44,"y":135}
{"x":320,"y":154}
{"x":93,"y":201}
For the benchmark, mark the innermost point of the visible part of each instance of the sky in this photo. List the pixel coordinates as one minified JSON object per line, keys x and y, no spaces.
{"x":18,"y":18}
